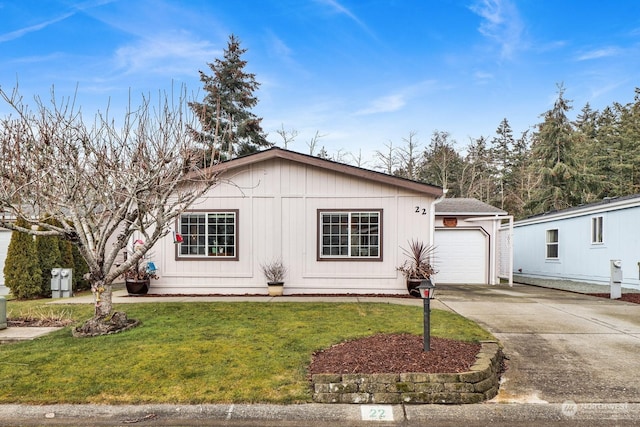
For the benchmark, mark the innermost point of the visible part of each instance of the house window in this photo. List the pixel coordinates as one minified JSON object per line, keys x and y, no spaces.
{"x":350,"y":235}
{"x":209,"y":234}
{"x":552,"y":243}
{"x":596,"y":230}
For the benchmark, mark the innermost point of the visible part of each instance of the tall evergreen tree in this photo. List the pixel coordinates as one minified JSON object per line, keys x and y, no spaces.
{"x":586,"y":129}
{"x":22,"y":273}
{"x":554,"y":154}
{"x":503,"y":145}
{"x":228,"y":126}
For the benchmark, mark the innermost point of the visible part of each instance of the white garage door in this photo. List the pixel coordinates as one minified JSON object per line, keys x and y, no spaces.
{"x":461,"y":256}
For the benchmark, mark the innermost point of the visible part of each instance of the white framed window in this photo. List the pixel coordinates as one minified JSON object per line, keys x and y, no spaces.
{"x":552,"y":244}
{"x":596,"y":230}
{"x":209,"y":235}
{"x":350,"y":235}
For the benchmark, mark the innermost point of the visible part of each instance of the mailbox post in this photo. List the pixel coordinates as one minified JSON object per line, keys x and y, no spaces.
{"x":615,"y":282}
{"x":427,"y":290}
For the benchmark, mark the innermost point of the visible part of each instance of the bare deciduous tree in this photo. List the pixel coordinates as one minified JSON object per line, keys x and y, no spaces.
{"x":288,"y":136}
{"x":313,"y":143}
{"x":103,"y":183}
{"x":388,"y":160}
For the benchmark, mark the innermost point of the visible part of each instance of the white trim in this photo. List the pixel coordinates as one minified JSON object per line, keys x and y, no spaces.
{"x":576,"y":212}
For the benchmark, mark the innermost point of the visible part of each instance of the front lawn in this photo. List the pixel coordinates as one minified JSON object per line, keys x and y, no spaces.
{"x":200,"y":352}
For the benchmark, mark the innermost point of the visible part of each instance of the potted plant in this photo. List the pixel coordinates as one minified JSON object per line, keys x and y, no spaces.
{"x":418,"y":267}
{"x":274,"y":271}
{"x":138,"y":278}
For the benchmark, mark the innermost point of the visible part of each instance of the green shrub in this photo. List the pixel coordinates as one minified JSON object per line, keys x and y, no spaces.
{"x":21,"y":270}
{"x":49,"y":258}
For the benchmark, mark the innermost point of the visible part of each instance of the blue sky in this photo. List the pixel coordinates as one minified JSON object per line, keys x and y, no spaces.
{"x":362,"y":73}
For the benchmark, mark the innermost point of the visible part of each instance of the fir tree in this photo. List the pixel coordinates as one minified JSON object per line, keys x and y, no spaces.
{"x":21,"y":270}
{"x":229,"y":128}
{"x":554,"y":153}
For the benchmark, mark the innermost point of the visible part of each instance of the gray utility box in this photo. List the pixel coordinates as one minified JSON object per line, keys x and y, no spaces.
{"x":3,"y":313}
{"x":615,"y":282}
{"x":61,"y":282}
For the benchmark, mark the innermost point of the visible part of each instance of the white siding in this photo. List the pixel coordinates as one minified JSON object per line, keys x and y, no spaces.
{"x":5,"y":238}
{"x":278,"y":202}
{"x":578,"y":258}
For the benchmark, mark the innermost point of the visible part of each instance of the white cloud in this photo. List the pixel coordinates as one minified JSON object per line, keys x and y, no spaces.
{"x":501,"y":23}
{"x":344,"y":11}
{"x":385,"y":104}
{"x":396,"y":101}
{"x":167,"y":53}
{"x":26,"y":30}
{"x":598,"y":53}
{"x":483,"y":77}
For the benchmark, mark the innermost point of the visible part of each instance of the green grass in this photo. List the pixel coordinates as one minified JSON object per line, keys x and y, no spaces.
{"x":200,"y":352}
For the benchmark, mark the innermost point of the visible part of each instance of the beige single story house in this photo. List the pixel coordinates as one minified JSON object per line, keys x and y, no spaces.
{"x":338,"y":229}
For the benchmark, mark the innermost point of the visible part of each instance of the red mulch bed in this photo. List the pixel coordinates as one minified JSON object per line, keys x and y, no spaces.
{"x":395,"y":353}
{"x":634,"y":298}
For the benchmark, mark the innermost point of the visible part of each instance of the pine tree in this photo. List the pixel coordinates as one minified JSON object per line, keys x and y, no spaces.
{"x":229,"y":128}
{"x":503,"y":145}
{"x":21,"y":270}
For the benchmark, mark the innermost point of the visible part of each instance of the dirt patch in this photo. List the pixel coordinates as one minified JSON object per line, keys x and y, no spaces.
{"x":634,"y":298}
{"x":395,"y":353}
{"x":19,"y":322}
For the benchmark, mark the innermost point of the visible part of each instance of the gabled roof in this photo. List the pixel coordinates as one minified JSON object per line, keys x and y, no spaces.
{"x":466,"y":206}
{"x":279,"y":153}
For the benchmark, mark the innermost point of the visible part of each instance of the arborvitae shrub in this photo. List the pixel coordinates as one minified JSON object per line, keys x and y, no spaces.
{"x":49,"y":258}
{"x":22,"y":272}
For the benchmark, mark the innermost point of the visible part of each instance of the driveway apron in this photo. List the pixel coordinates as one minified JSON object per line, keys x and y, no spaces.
{"x":562,"y":346}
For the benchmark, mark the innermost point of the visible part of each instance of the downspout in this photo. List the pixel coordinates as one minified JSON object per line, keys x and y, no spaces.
{"x":432,"y":229}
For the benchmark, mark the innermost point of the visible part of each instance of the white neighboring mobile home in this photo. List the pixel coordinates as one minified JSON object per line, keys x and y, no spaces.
{"x":337,"y":228}
{"x":579,"y":243}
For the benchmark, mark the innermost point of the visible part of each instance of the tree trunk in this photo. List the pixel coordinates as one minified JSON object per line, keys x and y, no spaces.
{"x":105,"y":321}
{"x":103,"y":299}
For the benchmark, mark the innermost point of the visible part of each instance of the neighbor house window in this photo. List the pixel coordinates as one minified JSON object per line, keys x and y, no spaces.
{"x":350,"y":234}
{"x":209,"y":234}
{"x":552,"y":243}
{"x":596,"y":230}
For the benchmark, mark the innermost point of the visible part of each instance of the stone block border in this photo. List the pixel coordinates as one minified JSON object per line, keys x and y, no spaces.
{"x":480,"y":383}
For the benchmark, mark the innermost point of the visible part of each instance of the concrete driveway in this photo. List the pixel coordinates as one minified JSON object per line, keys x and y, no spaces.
{"x":562,"y":347}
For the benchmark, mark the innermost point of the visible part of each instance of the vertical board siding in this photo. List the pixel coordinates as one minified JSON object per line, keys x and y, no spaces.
{"x":278,"y":201}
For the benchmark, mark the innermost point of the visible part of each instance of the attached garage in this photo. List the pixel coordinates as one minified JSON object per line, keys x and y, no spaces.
{"x":462,"y":255}
{"x":467,"y":247}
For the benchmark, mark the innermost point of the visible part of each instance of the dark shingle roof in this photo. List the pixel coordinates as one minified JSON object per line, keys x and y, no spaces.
{"x":457,"y":206}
